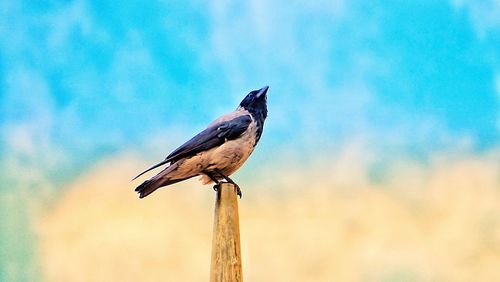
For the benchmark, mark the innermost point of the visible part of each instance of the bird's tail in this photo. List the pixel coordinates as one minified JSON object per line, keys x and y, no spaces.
{"x":164,"y":178}
{"x":151,"y":168}
{"x":149,"y":186}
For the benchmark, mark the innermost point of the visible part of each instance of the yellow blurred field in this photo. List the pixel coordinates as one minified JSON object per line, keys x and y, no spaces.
{"x":439,"y":222}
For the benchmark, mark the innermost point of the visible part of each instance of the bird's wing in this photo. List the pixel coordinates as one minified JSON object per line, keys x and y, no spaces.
{"x":211,"y":137}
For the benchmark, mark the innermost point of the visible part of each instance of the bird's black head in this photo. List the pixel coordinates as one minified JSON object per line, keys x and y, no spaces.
{"x":256,"y":102}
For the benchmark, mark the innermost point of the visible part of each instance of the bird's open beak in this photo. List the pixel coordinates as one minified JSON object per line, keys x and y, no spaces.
{"x":262,"y":91}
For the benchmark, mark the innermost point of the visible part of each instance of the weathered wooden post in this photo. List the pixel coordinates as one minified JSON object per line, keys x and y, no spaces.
{"x":226,"y":254}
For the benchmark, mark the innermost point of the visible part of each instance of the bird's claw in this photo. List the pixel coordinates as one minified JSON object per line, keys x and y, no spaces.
{"x":238,"y":190}
{"x":216,"y":187}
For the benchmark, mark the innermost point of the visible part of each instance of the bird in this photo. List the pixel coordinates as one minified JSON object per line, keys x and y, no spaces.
{"x":216,"y":152}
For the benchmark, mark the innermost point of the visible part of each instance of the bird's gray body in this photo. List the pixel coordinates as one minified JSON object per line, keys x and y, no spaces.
{"x":227,"y":157}
{"x":223,"y":146}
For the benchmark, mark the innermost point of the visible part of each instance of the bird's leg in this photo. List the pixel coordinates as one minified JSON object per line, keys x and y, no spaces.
{"x":212,"y":177}
{"x":238,"y":190}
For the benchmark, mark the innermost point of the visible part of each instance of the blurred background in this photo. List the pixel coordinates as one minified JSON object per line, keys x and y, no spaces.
{"x":380,"y":159}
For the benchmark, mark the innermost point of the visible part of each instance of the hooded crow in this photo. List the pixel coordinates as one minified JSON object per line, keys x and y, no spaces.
{"x":216,"y":152}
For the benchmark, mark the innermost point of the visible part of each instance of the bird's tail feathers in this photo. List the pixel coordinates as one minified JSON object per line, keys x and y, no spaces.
{"x":151,"y":168}
{"x":149,"y":186}
{"x":162,"y":179}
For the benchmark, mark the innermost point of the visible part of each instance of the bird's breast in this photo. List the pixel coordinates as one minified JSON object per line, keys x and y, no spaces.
{"x":232,"y":154}
{"x":227,"y":157}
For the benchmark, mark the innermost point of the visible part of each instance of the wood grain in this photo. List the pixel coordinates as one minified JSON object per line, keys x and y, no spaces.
{"x":226,"y":254}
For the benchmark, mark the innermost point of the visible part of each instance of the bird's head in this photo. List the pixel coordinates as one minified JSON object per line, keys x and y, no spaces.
{"x":256,"y":101}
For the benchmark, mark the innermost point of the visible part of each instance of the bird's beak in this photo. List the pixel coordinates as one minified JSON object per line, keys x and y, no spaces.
{"x":262,"y":91}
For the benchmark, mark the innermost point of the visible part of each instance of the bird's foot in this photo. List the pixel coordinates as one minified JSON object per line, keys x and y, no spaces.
{"x":236,"y":187}
{"x":238,"y":190}
{"x":229,"y":180}
{"x":216,"y":187}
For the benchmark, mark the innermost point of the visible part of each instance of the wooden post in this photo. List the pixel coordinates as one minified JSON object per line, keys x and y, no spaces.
{"x":226,"y":254}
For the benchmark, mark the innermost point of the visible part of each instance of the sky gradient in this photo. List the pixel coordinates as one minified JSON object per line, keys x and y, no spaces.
{"x":91,"y":77}
{"x":83,"y":80}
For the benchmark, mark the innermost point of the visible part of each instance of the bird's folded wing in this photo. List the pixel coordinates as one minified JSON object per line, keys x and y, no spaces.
{"x":211,"y":137}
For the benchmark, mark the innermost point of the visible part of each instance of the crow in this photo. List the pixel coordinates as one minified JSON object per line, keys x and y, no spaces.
{"x":216,"y":152}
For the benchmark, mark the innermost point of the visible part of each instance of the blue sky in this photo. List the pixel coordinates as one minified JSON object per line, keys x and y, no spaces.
{"x":82,"y":80}
{"x":90,"y":78}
